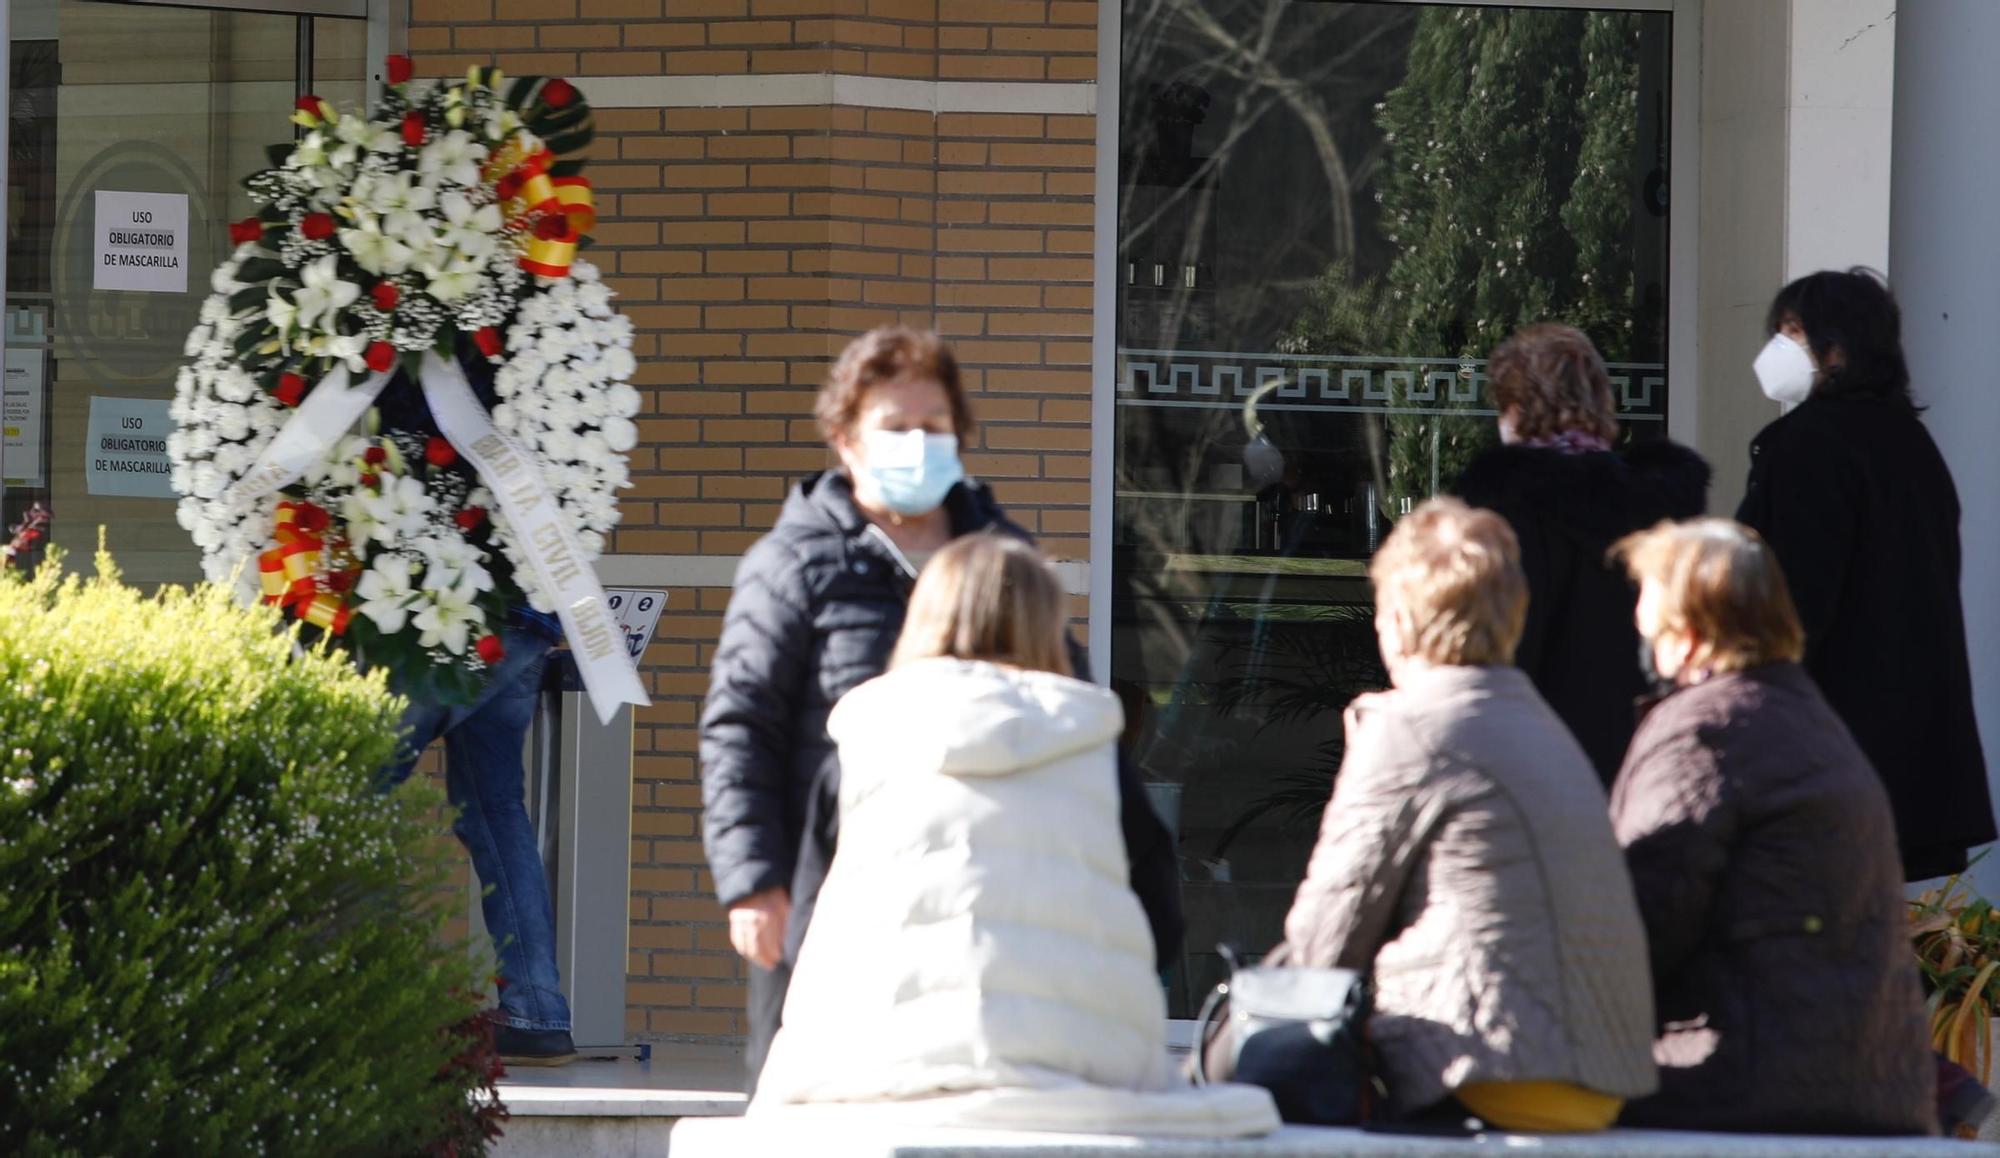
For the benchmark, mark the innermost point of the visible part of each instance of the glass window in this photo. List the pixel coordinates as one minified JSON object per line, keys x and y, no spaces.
{"x":165,"y":110}
{"x":1329,"y":213}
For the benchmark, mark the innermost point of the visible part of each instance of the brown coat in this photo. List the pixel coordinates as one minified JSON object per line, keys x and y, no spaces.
{"x":1764,"y":854}
{"x":1466,"y":858}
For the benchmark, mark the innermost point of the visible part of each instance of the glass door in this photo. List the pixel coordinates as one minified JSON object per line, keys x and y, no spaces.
{"x":130,"y":130}
{"x":1328,"y":214}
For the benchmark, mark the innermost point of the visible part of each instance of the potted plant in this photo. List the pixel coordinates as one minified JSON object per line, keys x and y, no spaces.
{"x":1957,"y":938}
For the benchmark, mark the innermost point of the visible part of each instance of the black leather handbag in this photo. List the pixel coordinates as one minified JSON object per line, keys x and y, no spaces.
{"x":1300,"y":1033}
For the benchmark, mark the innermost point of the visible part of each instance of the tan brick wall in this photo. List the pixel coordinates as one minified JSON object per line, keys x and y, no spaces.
{"x":748,"y":245}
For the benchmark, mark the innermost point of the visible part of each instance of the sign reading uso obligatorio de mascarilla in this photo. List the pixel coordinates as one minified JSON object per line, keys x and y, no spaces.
{"x":141,"y":242}
{"x":126,"y":451}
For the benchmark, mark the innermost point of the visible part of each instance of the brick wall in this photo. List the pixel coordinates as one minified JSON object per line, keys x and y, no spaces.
{"x":749,"y":244}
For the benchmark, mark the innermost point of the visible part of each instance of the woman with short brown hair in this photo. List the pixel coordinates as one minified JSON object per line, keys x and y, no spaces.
{"x":817,"y":606}
{"x":1569,"y":495}
{"x":1763,"y":853}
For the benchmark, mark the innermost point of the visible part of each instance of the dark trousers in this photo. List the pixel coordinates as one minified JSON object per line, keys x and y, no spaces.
{"x":766,"y":1009}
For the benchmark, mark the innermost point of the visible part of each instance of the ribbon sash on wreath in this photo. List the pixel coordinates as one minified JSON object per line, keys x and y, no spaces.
{"x":544,"y":541}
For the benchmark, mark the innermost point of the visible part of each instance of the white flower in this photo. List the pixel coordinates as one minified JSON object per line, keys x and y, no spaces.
{"x":375,"y":251}
{"x":402,"y":203}
{"x":621,"y":434}
{"x":469,"y":230}
{"x":324,"y":295}
{"x":386,"y":593}
{"x":452,"y":280}
{"x":452,"y":158}
{"x":452,"y":562}
{"x":448,"y":618}
{"x":234,"y":424}
{"x":400,"y":511}
{"x":370,"y":135}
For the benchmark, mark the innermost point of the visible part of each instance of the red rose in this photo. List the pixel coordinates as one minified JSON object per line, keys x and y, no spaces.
{"x":440,"y":452}
{"x":468,"y":520}
{"x":307,"y":104}
{"x":489,"y":649}
{"x":374,"y":456}
{"x":339,"y":582}
{"x":370,"y":479}
{"x":508,"y":187}
{"x":488,"y":340}
{"x":385,"y":295}
{"x":245,"y":231}
{"x":311,"y":518}
{"x":558,"y":93}
{"x":553,"y":229}
{"x":380,"y":356}
{"x":413,"y":129}
{"x":317,"y":226}
{"x":291,"y":388}
{"x":401,"y":68}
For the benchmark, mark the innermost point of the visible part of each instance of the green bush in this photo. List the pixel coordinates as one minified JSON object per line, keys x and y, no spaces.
{"x":215,"y":936}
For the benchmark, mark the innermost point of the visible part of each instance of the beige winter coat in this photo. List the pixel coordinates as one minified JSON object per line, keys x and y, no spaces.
{"x":1467,"y":859}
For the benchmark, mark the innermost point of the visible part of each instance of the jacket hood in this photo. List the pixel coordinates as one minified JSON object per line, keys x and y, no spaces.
{"x":980,"y":719}
{"x":1605,"y":494}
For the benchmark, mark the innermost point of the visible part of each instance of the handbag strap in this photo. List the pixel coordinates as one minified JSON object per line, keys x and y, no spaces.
{"x":1204,"y":1030}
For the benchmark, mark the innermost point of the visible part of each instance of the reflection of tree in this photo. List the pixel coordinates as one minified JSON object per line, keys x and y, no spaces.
{"x":1508,"y":191}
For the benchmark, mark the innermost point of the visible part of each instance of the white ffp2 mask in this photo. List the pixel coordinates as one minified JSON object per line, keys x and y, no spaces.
{"x":1784,"y":370}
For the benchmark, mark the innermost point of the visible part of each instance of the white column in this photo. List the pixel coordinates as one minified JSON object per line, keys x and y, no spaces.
{"x":1943,"y":240}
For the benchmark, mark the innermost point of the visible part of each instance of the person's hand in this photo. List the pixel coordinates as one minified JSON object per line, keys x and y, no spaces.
{"x":757,"y":926}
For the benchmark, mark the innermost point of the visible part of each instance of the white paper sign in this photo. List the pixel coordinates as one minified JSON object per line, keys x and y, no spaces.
{"x":141,"y":242}
{"x":21,"y":410}
{"x":637,"y":613}
{"x":125,"y":451}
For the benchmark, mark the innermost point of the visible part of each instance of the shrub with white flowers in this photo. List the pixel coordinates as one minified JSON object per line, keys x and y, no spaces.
{"x":446,"y":222}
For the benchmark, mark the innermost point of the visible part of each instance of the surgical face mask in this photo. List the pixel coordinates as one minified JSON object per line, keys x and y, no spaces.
{"x":1784,"y":370}
{"x":912,"y":470}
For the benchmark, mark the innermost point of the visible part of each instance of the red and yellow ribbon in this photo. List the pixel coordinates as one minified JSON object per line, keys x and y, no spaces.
{"x":553,"y":212}
{"x":289,"y":573}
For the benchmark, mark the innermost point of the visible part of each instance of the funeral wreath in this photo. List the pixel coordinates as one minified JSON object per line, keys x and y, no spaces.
{"x":408,"y":401}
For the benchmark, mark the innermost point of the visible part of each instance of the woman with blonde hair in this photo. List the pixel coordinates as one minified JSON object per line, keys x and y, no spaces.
{"x":1466,"y":863}
{"x":977,"y":956}
{"x":1763,"y":853}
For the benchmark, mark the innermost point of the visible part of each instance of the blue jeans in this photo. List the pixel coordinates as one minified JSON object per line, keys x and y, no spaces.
{"x":483,"y":777}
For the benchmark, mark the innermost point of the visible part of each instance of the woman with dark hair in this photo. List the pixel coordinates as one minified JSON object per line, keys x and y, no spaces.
{"x":817,"y":606}
{"x":1852,"y":494}
{"x":1569,"y":496}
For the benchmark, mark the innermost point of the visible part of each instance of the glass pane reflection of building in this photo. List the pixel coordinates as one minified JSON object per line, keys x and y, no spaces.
{"x":1328,"y":214}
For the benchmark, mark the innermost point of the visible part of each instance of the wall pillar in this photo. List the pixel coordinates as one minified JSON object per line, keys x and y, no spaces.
{"x":1943,"y":236}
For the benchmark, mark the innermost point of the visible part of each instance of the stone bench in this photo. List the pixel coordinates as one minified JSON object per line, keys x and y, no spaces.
{"x":822,"y":1137}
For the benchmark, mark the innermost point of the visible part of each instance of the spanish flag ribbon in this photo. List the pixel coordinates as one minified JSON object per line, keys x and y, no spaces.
{"x":555,"y":212}
{"x":288,"y":573}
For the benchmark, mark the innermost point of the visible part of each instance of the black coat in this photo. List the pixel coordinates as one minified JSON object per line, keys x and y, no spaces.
{"x":1857,"y":502}
{"x":816,"y":611}
{"x":1580,"y":647}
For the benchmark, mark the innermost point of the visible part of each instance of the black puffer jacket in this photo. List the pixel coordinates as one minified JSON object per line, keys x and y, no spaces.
{"x":816,"y":611}
{"x":1581,"y":647}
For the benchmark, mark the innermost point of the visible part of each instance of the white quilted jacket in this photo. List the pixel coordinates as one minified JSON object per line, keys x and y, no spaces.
{"x":976,"y":930}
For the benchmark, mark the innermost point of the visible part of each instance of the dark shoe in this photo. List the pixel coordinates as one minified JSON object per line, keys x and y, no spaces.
{"x":533,"y":1047}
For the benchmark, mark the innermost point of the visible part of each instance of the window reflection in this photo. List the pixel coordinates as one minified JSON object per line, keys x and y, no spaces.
{"x":1328,"y":214}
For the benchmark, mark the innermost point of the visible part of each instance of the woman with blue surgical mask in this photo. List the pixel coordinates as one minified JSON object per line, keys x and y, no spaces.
{"x":817,"y":608}
{"x":1852,"y":495}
